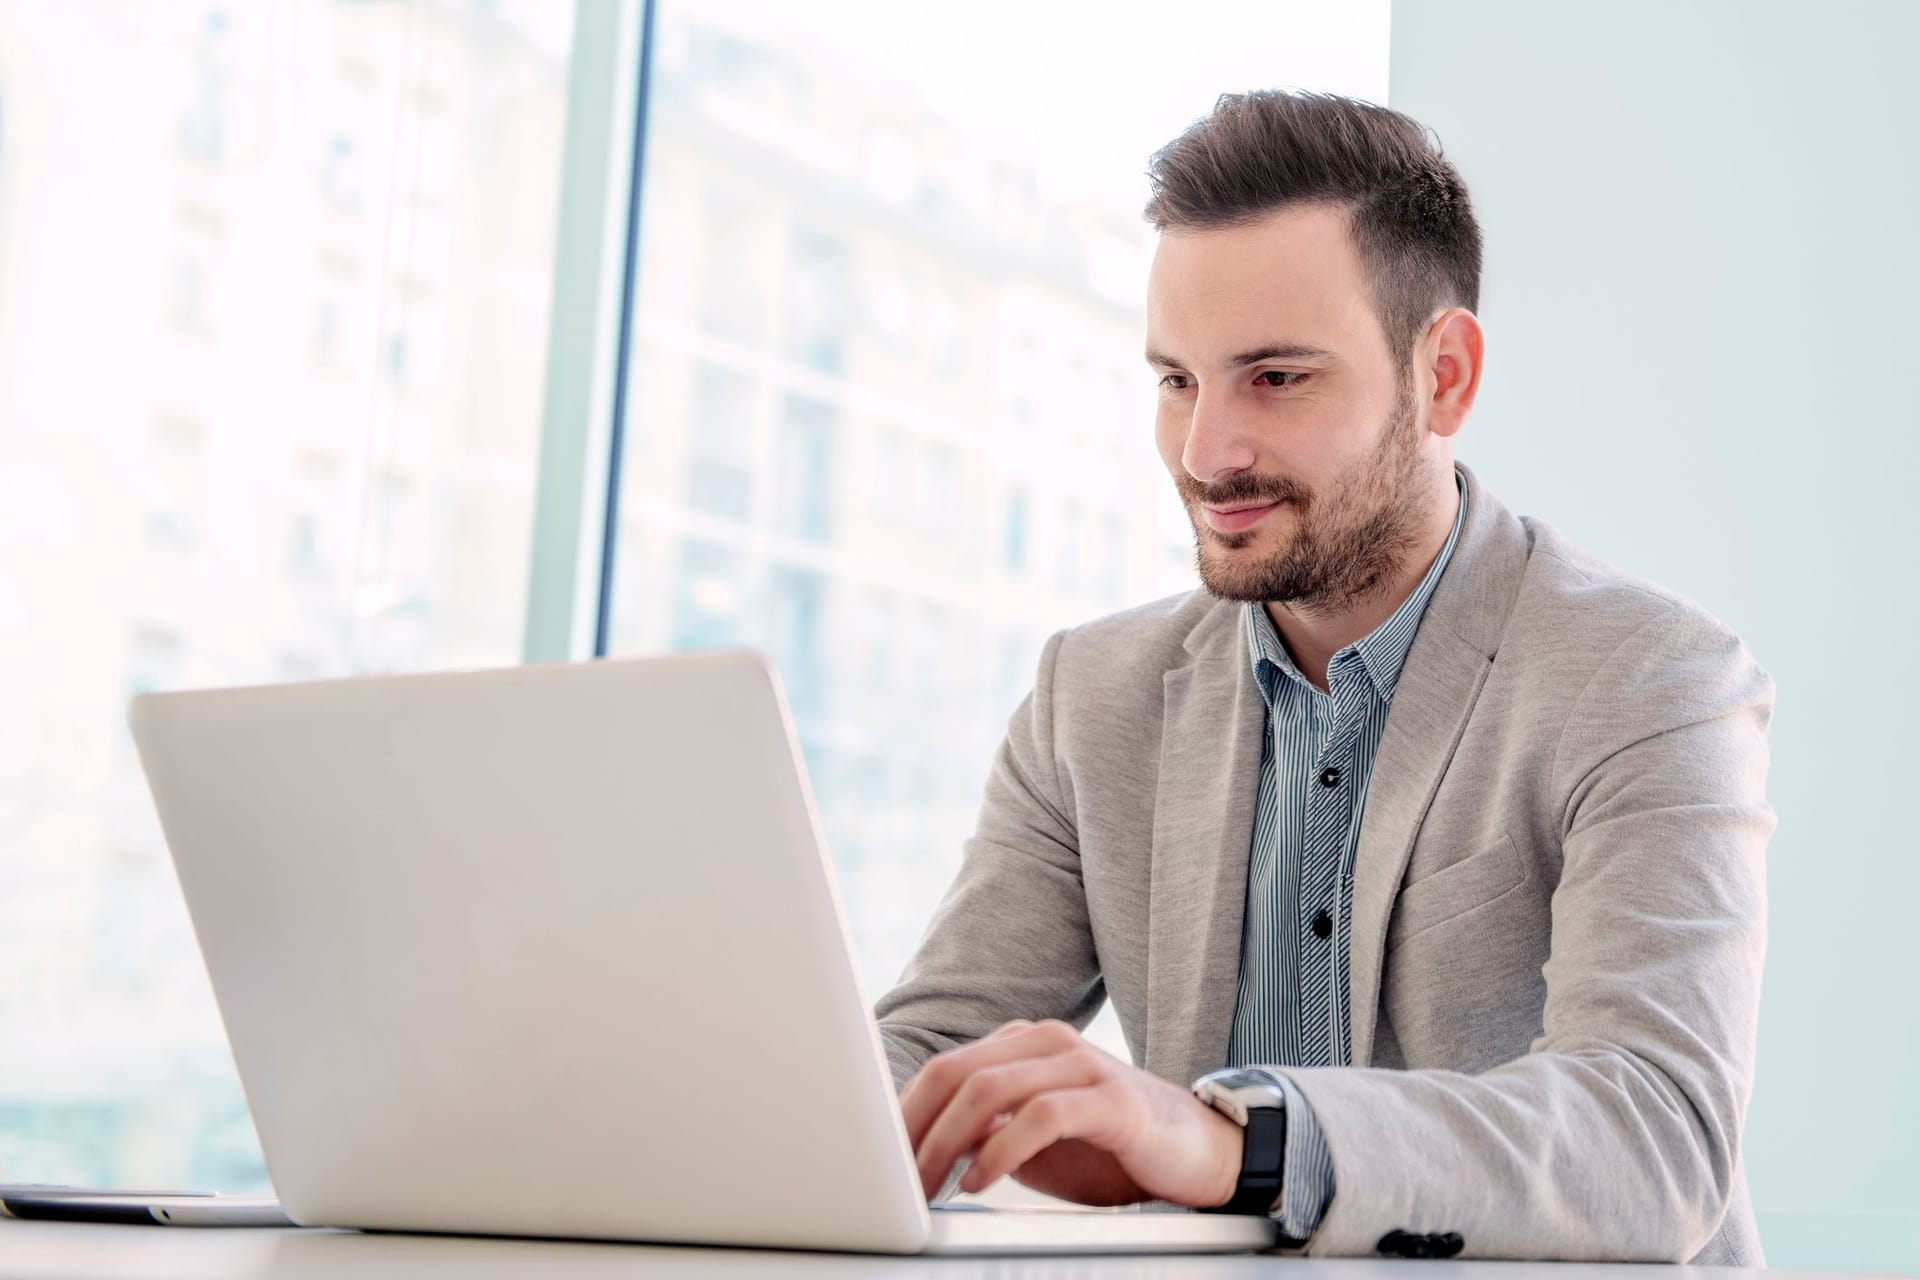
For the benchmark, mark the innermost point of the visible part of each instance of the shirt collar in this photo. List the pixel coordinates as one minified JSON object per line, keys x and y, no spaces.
{"x":1380,"y":653}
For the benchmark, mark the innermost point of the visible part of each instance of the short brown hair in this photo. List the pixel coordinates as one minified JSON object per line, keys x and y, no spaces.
{"x":1261,"y":152}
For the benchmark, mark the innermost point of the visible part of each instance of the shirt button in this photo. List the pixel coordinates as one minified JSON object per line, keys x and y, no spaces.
{"x":1323,"y":924}
{"x":1329,"y":777}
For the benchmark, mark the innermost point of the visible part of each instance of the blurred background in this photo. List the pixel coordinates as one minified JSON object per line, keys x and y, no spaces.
{"x":276,"y":282}
{"x":341,"y":336}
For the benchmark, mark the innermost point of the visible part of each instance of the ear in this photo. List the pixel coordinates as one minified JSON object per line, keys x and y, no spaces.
{"x":1455,"y":348}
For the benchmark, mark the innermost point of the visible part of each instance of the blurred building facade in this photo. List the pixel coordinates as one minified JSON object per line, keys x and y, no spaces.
{"x":274,"y":286}
{"x":273,"y":300}
{"x":890,"y":422}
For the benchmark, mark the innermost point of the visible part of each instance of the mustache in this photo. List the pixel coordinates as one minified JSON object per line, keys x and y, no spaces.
{"x":1243,"y":488}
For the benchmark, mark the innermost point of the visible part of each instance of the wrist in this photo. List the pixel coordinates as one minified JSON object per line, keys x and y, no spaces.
{"x":1227,"y":1143}
{"x":1254,"y":1102}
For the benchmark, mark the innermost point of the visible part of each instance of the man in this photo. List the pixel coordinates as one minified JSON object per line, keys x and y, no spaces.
{"x":1451,"y":831}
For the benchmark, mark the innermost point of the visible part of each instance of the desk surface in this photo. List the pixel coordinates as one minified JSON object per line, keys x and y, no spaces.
{"x":65,"y":1251}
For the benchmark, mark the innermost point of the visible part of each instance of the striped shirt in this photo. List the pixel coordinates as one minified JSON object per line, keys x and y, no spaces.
{"x":1315,"y":762}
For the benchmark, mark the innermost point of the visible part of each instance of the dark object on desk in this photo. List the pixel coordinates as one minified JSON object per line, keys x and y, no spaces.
{"x":1410,"y":1244}
{"x":142,"y":1208}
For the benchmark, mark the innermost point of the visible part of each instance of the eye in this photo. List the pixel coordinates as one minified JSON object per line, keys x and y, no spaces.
{"x":1268,"y":377}
{"x":1175,"y":382}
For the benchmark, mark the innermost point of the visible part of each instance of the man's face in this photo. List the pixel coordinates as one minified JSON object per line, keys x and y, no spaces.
{"x":1289,"y":431}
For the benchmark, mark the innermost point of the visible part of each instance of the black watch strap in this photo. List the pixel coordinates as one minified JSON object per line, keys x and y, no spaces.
{"x":1262,"y":1162}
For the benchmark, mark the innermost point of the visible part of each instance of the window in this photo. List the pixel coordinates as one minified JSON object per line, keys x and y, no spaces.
{"x":205,"y":122}
{"x":721,"y":452}
{"x":920,"y":262}
{"x":795,"y":602}
{"x":340,"y":176}
{"x":315,"y":503}
{"x":1016,"y":542}
{"x":331,"y":343}
{"x":818,"y":293}
{"x":207,"y":476}
{"x":803,"y":476}
{"x":710,"y":599}
{"x":858,"y":439}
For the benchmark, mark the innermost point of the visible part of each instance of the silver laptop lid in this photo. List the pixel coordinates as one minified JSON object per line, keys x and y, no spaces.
{"x":550,"y":951}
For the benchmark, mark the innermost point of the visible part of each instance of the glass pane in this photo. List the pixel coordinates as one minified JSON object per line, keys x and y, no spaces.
{"x":890,"y":418}
{"x":273,"y":300}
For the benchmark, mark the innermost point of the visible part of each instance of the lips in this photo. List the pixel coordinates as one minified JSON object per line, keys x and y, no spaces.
{"x":1240,"y":518}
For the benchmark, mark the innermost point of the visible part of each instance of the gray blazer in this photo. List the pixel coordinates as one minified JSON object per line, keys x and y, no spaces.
{"x":1559,"y":908}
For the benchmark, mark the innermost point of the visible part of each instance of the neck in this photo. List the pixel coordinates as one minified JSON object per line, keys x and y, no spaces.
{"x":1313,"y":634}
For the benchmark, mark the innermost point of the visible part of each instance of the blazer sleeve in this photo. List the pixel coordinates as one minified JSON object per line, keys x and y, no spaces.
{"x":1010,"y":938}
{"x":1617,"y":1135}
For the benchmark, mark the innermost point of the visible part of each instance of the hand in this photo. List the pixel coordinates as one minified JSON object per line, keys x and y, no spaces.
{"x":1036,"y":1101}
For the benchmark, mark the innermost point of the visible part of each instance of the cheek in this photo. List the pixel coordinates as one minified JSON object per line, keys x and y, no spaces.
{"x":1326,"y":438}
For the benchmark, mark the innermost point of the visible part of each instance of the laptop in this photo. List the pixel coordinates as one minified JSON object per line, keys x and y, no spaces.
{"x":556,"y":951}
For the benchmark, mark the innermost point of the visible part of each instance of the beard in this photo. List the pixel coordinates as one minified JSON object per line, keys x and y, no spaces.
{"x":1347,"y":542}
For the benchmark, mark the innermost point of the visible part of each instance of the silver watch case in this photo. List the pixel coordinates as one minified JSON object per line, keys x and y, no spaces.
{"x":1237,"y":1089}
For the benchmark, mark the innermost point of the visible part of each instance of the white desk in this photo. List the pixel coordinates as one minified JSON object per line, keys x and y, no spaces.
{"x":65,"y":1251}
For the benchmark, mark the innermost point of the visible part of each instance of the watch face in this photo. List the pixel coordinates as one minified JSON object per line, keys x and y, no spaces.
{"x":1250,"y":1078}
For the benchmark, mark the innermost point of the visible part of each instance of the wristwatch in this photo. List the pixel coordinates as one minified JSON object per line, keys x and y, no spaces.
{"x":1254,"y":1100}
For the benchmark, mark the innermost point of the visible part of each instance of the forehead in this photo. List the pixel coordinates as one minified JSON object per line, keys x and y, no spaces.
{"x":1293,"y":274}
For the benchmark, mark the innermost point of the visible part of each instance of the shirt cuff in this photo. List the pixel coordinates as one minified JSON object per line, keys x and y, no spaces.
{"x":1306,"y":1186}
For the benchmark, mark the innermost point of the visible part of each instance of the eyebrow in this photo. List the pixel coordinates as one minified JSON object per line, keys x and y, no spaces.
{"x":1273,"y":351}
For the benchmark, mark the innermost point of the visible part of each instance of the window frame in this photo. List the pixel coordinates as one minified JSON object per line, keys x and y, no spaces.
{"x":596,"y":263}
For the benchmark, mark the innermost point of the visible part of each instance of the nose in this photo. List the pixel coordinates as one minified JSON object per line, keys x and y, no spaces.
{"x":1219,"y":440}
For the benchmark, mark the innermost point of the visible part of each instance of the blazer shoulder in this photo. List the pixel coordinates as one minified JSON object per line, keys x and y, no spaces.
{"x":1619,"y":638}
{"x":1566,"y":584}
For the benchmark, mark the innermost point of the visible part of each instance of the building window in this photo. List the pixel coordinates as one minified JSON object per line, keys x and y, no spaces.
{"x":803,"y":480}
{"x":794,"y":605}
{"x":340,"y":173}
{"x":939,"y":496}
{"x":819,"y":298}
{"x":205,"y":123}
{"x":396,"y":359}
{"x":317,"y":492}
{"x":720,"y":453}
{"x":709,"y":604}
{"x":1014,"y":547}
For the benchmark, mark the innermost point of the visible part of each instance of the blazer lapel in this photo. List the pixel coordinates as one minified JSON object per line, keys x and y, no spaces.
{"x":1438,"y":686}
{"x":1437,"y":689}
{"x":1202,"y":825}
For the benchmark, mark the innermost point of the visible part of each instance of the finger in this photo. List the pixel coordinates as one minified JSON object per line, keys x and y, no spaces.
{"x":1087,"y":1113}
{"x":928,"y":1093}
{"x":992,"y":1092}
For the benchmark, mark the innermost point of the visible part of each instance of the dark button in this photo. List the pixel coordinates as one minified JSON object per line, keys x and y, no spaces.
{"x":1397,"y":1244}
{"x":1323,"y":924}
{"x":1410,"y":1244}
{"x":1329,"y":777}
